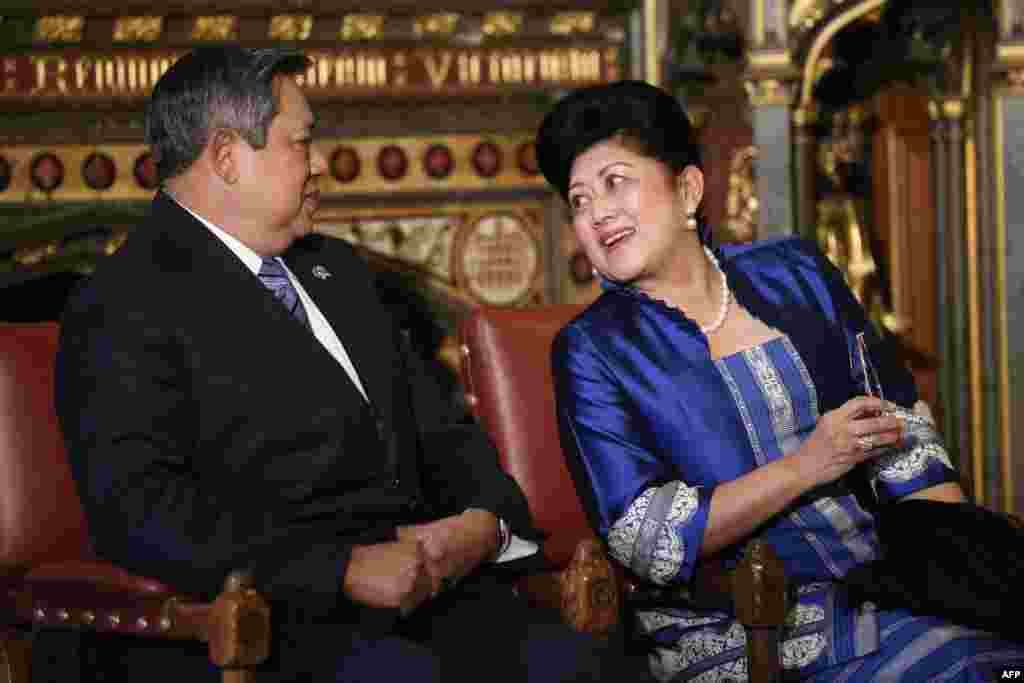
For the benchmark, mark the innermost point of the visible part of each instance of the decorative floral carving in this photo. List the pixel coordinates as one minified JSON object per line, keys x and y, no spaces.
{"x":502,"y":23}
{"x":290,"y":26}
{"x":361,"y":26}
{"x":566,"y":23}
{"x":138,"y":29}
{"x":215,"y":28}
{"x":60,"y":28}
{"x":437,"y":24}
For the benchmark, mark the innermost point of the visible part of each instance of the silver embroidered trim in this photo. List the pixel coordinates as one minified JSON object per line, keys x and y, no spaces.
{"x":669,"y":551}
{"x":801,"y":615}
{"x":780,"y":405}
{"x":623,"y":534}
{"x":697,"y":646}
{"x":799,"y":652}
{"x":925,"y":446}
{"x":741,"y":405}
{"x":805,"y":375}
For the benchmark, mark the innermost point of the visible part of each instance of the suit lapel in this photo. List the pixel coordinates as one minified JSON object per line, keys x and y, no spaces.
{"x":356,"y":319}
{"x":220,"y":279}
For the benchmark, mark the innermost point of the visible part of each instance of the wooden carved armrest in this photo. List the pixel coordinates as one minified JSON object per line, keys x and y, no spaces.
{"x":759,"y":595}
{"x":586,"y":592}
{"x":591,"y":598}
{"x":236,"y":626}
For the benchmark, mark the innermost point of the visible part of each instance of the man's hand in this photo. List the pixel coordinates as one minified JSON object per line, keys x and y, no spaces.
{"x":456,"y":545}
{"x":389,"y":575}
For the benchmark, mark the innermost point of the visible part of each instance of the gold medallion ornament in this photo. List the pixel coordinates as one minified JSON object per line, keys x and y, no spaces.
{"x":215,"y":28}
{"x":361,"y":26}
{"x":60,"y":28}
{"x":497,"y":24}
{"x":137,"y":29}
{"x":290,"y":26}
{"x":499,"y":259}
{"x":438,"y":24}
{"x":567,"y":23}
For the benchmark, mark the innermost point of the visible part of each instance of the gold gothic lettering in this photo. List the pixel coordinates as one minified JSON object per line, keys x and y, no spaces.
{"x":45,"y":85}
{"x":342,"y":71}
{"x":329,"y":71}
{"x":438,"y":72}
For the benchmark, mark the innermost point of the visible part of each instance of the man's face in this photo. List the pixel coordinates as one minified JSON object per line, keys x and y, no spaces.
{"x":279,"y":182}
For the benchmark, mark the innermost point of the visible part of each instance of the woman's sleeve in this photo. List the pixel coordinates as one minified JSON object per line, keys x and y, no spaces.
{"x":653,"y":522}
{"x":921,"y":460}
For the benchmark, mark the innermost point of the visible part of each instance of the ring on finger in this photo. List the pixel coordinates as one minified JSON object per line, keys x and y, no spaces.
{"x":866,"y":442}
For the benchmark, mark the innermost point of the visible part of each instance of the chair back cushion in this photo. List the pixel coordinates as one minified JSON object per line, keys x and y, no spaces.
{"x":506,"y":370}
{"x":41,"y":516}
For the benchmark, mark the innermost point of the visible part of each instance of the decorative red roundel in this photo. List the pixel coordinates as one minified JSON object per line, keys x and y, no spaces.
{"x":47,"y":172}
{"x":438,"y":162}
{"x":392,"y":162}
{"x":145,"y":171}
{"x":99,"y":171}
{"x":487,"y":159}
{"x":345,"y":164}
{"x":526,"y":159}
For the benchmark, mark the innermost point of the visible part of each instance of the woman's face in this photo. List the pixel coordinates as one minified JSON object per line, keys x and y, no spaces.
{"x":628,"y":212}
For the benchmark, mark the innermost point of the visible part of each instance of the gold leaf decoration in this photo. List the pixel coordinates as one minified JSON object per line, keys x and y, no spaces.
{"x":502,"y":23}
{"x":60,"y":28}
{"x":438,"y":24}
{"x":566,"y":23}
{"x":361,"y":26}
{"x":291,"y":26}
{"x":217,"y":27}
{"x":137,"y":29}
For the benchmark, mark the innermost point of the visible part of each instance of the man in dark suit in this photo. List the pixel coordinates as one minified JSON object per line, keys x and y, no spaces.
{"x":233,"y":396}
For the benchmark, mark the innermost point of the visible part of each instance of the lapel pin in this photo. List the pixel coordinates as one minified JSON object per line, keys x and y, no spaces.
{"x":321,"y":273}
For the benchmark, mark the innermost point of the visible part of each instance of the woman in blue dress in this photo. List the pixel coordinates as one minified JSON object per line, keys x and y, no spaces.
{"x":714,"y":395}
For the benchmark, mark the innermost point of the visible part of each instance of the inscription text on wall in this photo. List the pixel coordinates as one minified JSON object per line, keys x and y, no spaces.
{"x":83,"y":76}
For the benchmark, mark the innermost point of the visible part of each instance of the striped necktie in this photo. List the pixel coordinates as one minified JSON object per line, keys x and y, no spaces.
{"x":275,"y":277}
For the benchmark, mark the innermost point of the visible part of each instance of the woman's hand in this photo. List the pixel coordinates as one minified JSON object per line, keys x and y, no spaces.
{"x":852,"y":433}
{"x":847,"y":436}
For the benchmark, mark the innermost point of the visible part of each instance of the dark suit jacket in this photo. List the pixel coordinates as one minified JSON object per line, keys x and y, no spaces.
{"x":208,"y":430}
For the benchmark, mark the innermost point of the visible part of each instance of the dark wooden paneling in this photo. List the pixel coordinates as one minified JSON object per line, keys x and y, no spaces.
{"x":904,"y":219}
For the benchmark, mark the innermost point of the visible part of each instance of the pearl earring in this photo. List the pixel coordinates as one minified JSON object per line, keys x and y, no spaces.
{"x":691,"y":220}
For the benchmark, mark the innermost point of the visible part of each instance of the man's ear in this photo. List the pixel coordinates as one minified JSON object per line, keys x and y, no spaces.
{"x":223,"y":154}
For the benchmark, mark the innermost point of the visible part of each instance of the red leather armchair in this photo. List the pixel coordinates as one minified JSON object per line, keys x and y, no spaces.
{"x":49,"y":577}
{"x":506,"y":372}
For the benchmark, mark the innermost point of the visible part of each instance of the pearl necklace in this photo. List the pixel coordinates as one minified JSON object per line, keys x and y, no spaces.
{"x":723,"y":309}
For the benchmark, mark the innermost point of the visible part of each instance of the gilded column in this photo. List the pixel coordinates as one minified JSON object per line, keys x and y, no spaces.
{"x":805,"y":163}
{"x":955,"y":372}
{"x":770,"y":82}
{"x":1007,"y":196}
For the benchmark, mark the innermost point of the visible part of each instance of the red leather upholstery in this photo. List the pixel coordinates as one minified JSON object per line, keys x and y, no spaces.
{"x":42,"y":527}
{"x":48,"y":574}
{"x":507,"y":356}
{"x":40,"y":514}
